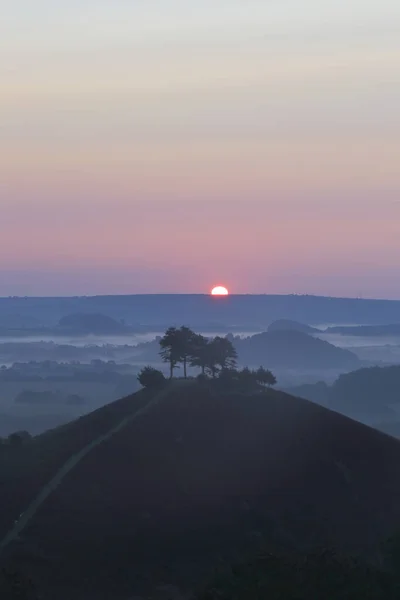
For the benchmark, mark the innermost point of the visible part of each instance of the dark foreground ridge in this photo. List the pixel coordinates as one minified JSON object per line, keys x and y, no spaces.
{"x":199,"y":480}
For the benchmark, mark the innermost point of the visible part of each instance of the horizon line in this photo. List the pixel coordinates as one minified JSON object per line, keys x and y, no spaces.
{"x":198,"y":294}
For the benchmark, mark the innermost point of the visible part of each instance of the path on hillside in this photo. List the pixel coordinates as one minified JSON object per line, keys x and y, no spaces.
{"x":45,"y":492}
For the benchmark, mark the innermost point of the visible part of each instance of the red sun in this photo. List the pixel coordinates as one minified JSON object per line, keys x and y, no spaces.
{"x":220,"y":290}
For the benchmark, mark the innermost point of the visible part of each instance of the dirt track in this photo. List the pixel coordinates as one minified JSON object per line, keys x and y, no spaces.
{"x":45,"y":492}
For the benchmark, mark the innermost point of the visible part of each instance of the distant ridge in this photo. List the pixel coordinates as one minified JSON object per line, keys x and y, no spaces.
{"x":245,"y":310}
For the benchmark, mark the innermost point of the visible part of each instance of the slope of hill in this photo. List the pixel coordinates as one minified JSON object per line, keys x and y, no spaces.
{"x":293,"y":349}
{"x":197,"y":479}
{"x":25,"y":470}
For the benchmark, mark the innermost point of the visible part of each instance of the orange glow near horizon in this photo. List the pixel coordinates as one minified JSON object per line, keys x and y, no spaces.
{"x":219,"y":290}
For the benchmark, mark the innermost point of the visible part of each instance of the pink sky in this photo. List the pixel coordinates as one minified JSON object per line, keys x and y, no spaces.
{"x":167,"y":153}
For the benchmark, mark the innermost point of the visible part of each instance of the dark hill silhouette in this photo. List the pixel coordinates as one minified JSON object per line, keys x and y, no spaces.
{"x":293,"y":349}
{"x":27,"y":469}
{"x":201,"y":477}
{"x":288,"y":325}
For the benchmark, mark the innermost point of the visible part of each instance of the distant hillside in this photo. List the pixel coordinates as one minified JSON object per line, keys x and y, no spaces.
{"x":91,"y":323}
{"x":380,"y":384}
{"x":293,"y":349}
{"x":367,"y":330}
{"x":157,"y":310}
{"x":287,"y":325}
{"x":198,"y":480}
{"x":368,"y":392}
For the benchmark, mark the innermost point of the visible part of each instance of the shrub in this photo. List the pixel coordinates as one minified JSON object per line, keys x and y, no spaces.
{"x":19,"y":438}
{"x":151,"y":378}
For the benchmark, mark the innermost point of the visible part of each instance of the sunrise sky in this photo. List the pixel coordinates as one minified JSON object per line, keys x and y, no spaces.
{"x":169,"y":145}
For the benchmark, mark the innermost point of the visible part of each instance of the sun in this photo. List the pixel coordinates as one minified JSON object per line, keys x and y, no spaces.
{"x":219,"y":290}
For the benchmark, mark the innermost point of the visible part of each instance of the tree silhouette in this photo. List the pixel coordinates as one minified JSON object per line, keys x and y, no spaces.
{"x":221,"y":354}
{"x":229,"y":377}
{"x":176,"y":347}
{"x":151,"y":378}
{"x":247,"y":377}
{"x":199,"y":352}
{"x":224,"y":352}
{"x":169,"y":352}
{"x":186,"y":338}
{"x":264,"y":376}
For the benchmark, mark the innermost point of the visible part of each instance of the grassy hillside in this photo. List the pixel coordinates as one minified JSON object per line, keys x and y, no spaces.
{"x":24,"y":470}
{"x":199,"y":479}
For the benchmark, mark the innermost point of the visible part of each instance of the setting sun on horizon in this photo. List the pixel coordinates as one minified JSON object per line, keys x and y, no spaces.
{"x":219,"y":290}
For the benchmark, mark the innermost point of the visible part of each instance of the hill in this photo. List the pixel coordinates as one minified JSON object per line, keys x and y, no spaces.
{"x":369,"y":394}
{"x":197,"y":478}
{"x":293,"y":349}
{"x":288,"y":325}
{"x":94,"y":323}
{"x":153,"y":312}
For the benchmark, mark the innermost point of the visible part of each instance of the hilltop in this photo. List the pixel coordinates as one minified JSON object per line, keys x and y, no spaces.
{"x":293,"y":349}
{"x":288,"y":325}
{"x":198,"y":478}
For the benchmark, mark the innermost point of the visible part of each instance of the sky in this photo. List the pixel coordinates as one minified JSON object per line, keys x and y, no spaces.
{"x":170,"y":145}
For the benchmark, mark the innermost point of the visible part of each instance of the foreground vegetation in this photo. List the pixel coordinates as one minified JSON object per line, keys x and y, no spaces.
{"x":321,"y":575}
{"x":309,"y":576}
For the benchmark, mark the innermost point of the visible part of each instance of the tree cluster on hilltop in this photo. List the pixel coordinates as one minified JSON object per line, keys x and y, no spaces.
{"x":185,"y":347}
{"x":215,"y":357}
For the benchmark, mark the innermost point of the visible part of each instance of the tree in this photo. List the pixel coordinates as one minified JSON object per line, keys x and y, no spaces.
{"x":186,"y":339}
{"x":199,"y":352}
{"x":265,"y":377}
{"x":151,"y":378}
{"x":224,"y":353}
{"x":169,"y":352}
{"x":176,"y":347}
{"x":248,"y":378}
{"x":220,"y":354}
{"x":229,"y":378}
{"x":212,"y":359}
